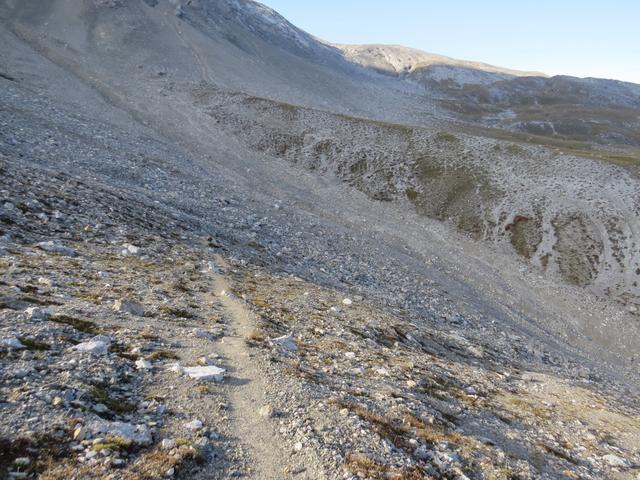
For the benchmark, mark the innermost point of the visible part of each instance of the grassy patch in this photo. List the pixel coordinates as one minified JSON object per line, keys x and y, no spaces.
{"x":114,"y":444}
{"x":34,"y":345}
{"x":362,"y":465}
{"x":100,"y":395}
{"x":164,"y":355}
{"x":84,"y":326}
{"x":176,"y":312}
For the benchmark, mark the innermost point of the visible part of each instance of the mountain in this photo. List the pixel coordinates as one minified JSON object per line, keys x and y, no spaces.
{"x":229,"y":248}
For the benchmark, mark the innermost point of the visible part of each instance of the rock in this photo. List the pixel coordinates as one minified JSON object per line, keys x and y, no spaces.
{"x":266,"y":411}
{"x":37,"y":313}
{"x":22,"y":461}
{"x":55,"y":247}
{"x":127,"y":306}
{"x":170,"y":472}
{"x":79,"y":434}
{"x":615,"y":461}
{"x":57,"y":401}
{"x":136,"y":434}
{"x":131,"y":250}
{"x":22,"y":372}
{"x":205,"y":373}
{"x":193,"y":425}
{"x":142,"y":364}
{"x":298,"y":446}
{"x":176,"y":368}
{"x":168,"y":444}
{"x":411,"y":384}
{"x":96,"y":346}
{"x":100,"y":408}
{"x":90,"y":454}
{"x":347,"y":301}
{"x":287,"y":342}
{"x":12,"y":343}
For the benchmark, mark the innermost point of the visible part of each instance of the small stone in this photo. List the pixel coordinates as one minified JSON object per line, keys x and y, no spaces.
{"x":411,"y":384}
{"x":287,"y":342}
{"x":55,"y":247}
{"x":168,"y":444}
{"x":79,"y":434}
{"x":142,"y":364}
{"x":298,"y":446}
{"x":117,"y":462}
{"x":95,"y":346}
{"x":90,"y":454}
{"x":22,"y":461}
{"x":127,"y":306}
{"x":615,"y":461}
{"x":205,"y":373}
{"x":193,"y":425}
{"x":37,"y":313}
{"x":170,"y":472}
{"x":344,"y":412}
{"x":347,"y":301}
{"x":100,"y":408}
{"x":57,"y":401}
{"x":12,"y":343}
{"x":131,"y":250}
{"x":266,"y":411}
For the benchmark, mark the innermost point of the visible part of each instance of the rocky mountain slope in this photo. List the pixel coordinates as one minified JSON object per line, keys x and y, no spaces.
{"x":394,"y":288}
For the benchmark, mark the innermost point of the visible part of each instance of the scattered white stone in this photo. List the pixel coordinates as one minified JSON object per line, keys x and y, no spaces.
{"x":168,"y":444}
{"x":55,"y":247}
{"x":137,"y":434}
{"x":298,"y":446}
{"x":210,"y":372}
{"x":176,"y":368}
{"x":79,"y":434}
{"x":615,"y":461}
{"x":266,"y":411}
{"x":22,"y":461}
{"x":350,"y":354}
{"x":45,"y":281}
{"x":96,"y":346}
{"x":21,"y":372}
{"x":100,"y":408}
{"x":287,"y":342}
{"x":57,"y":401}
{"x":37,"y":313}
{"x":12,"y":343}
{"x":193,"y":425}
{"x":347,"y":301}
{"x":129,"y":249}
{"x":127,"y":306}
{"x":142,"y":364}
{"x":171,"y":472}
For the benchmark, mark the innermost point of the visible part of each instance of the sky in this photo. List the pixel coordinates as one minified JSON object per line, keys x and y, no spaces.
{"x":583,"y":38}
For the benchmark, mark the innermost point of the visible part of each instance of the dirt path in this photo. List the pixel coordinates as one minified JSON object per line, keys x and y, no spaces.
{"x":246,"y":390}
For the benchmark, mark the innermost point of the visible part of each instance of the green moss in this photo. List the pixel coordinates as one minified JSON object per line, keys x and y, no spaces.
{"x":100,"y":395}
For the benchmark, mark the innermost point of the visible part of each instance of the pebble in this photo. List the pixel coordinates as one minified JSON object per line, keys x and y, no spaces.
{"x":193,"y":425}
{"x":205,"y":373}
{"x":142,"y":364}
{"x":12,"y":343}
{"x":55,"y":247}
{"x":287,"y":342}
{"x":128,"y":306}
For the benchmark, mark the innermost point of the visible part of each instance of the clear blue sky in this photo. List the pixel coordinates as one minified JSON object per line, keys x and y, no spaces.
{"x":582,"y":38}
